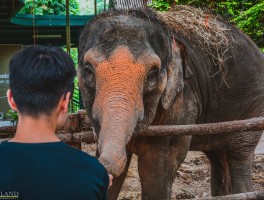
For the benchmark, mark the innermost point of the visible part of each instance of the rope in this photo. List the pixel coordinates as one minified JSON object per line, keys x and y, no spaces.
{"x":34,"y":23}
{"x":68,"y":28}
{"x":13,"y":6}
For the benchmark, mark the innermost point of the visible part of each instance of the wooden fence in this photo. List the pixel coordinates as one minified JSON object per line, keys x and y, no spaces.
{"x":241,"y":196}
{"x":77,"y":130}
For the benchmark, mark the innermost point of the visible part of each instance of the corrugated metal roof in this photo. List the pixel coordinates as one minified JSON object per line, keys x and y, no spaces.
{"x":129,"y":4}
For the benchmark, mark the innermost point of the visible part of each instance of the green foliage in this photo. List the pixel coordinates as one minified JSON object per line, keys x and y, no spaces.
{"x":49,"y":7}
{"x":87,"y":6}
{"x":247,"y":15}
{"x":74,"y":56}
{"x":11,"y":116}
{"x":74,"y":104}
{"x":100,"y":6}
{"x":161,"y":5}
{"x":252,"y":23}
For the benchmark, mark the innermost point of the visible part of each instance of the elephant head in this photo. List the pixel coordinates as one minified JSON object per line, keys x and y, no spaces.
{"x":129,"y":65}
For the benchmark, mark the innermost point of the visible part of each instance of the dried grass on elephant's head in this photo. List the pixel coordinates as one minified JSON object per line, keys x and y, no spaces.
{"x":211,"y":34}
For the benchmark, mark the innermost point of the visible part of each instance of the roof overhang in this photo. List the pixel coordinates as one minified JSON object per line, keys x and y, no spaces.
{"x":37,"y":29}
{"x":50,"y":20}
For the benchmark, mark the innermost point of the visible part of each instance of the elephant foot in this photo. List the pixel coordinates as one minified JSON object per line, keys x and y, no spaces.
{"x":220,"y":173}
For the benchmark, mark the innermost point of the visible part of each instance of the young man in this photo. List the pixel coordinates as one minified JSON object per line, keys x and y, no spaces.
{"x":35,"y":164}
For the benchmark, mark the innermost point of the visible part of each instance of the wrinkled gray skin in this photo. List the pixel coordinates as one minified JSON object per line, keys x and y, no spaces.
{"x":174,"y":84}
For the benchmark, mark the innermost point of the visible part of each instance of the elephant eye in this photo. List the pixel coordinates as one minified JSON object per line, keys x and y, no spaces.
{"x":152,"y":78}
{"x":89,"y":74}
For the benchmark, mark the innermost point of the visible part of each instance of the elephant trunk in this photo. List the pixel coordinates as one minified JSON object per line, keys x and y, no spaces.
{"x":118,"y":107}
{"x":114,"y":135}
{"x":118,"y":121}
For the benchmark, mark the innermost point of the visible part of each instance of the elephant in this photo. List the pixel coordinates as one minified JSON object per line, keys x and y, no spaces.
{"x":142,"y":67}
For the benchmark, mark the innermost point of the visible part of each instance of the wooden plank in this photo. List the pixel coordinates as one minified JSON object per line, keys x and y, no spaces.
{"x":240,"y":196}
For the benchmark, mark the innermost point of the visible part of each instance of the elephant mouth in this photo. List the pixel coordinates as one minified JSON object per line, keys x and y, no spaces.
{"x":96,"y":128}
{"x":141,"y":126}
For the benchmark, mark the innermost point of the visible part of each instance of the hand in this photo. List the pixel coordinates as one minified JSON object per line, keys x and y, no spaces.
{"x":110,"y":180}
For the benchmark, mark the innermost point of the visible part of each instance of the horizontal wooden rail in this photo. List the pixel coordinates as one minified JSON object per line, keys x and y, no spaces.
{"x":253,"y":124}
{"x":240,"y":196}
{"x":7,"y":130}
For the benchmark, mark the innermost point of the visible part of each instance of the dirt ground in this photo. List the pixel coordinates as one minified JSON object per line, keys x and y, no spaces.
{"x":193,"y":177}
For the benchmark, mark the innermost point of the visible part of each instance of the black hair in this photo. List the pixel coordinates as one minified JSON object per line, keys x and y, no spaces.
{"x":39,"y":77}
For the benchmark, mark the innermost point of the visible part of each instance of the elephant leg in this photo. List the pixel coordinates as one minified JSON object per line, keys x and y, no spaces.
{"x":240,"y":171}
{"x":114,"y":190}
{"x":220,"y":174}
{"x":158,"y":163}
{"x":240,"y":152}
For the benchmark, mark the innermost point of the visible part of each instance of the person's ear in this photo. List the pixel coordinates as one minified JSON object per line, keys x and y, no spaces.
{"x":65,"y":102}
{"x":63,"y":109}
{"x":10,"y":100}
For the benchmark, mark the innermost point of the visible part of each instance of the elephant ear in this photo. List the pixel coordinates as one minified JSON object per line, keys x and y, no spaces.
{"x":177,"y":70}
{"x":83,"y":39}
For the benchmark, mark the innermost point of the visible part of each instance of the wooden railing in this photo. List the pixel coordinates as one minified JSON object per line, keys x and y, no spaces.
{"x":241,"y":196}
{"x":77,"y":130}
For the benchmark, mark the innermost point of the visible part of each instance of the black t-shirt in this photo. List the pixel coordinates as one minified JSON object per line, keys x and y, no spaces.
{"x":50,"y":171}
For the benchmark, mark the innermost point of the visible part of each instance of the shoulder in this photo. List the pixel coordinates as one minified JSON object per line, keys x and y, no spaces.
{"x":3,"y":141}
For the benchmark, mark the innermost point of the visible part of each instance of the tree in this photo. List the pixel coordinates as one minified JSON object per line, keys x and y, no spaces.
{"x":251,"y":22}
{"x":246,"y":15}
{"x":49,"y":7}
{"x":162,"y":5}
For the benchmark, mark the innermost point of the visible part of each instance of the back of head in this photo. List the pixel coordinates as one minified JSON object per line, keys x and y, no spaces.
{"x":39,"y":77}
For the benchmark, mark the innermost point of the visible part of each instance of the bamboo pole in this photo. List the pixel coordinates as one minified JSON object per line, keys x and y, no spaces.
{"x":95,"y":7}
{"x":104,"y":5}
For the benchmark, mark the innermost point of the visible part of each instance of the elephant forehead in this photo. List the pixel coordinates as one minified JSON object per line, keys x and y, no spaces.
{"x":108,"y":34}
{"x":121,"y":60}
{"x":123,"y":23}
{"x":121,"y":28}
